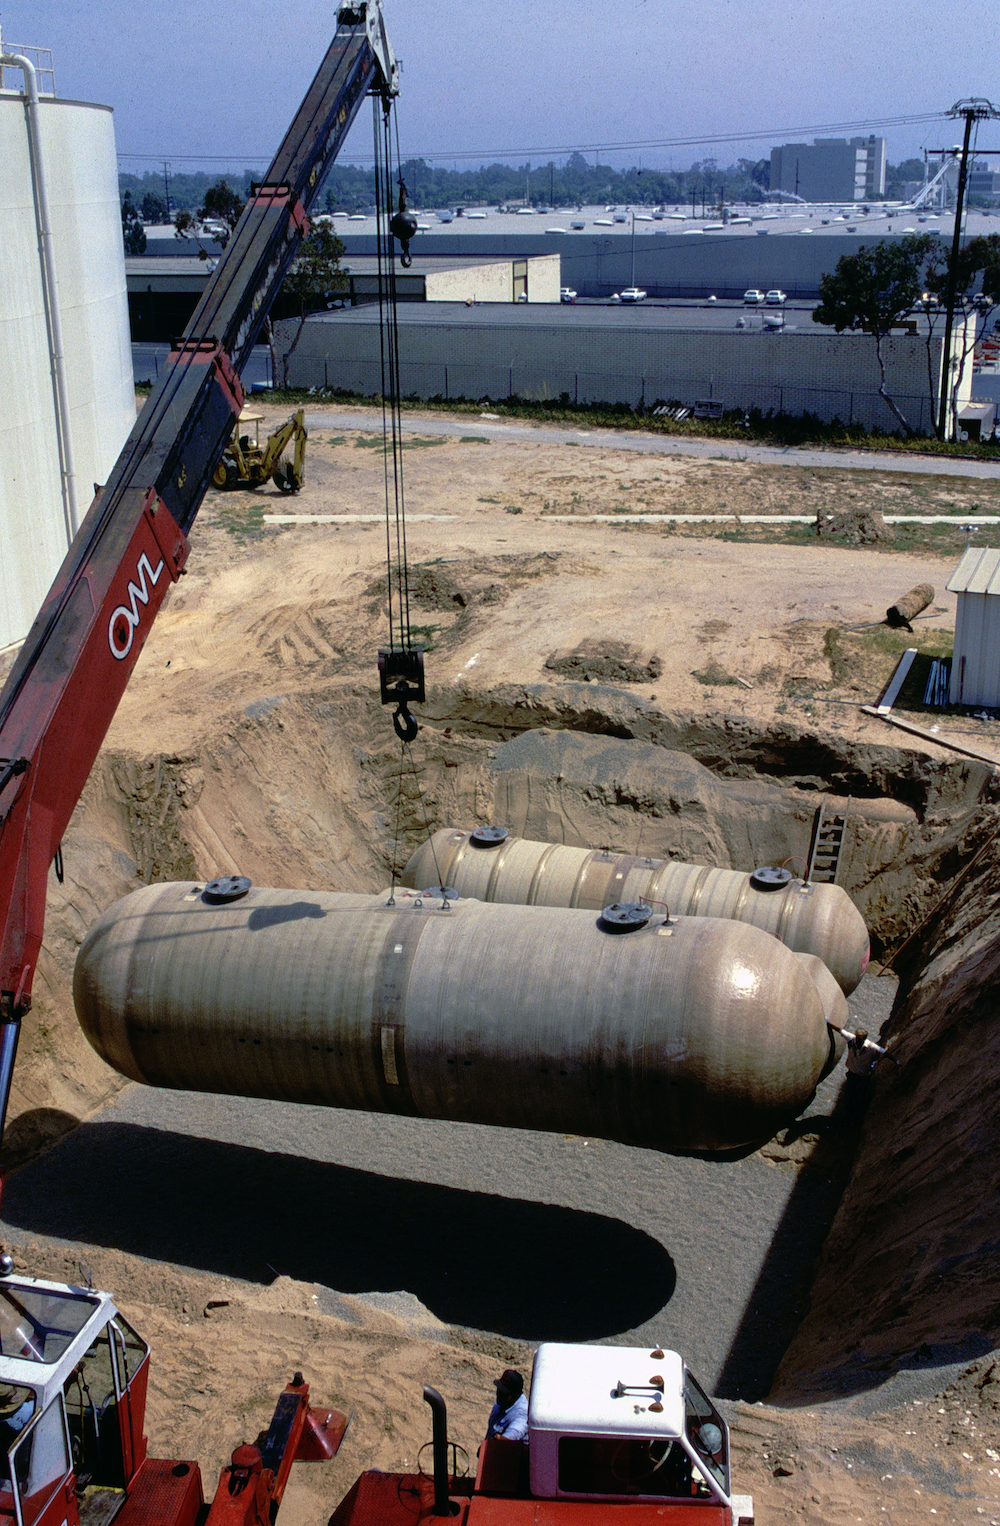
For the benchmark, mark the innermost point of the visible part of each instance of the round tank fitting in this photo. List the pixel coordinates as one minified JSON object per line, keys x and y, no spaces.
{"x":625,"y":917}
{"x":768,"y":877}
{"x":230,"y":887}
{"x":488,"y":837}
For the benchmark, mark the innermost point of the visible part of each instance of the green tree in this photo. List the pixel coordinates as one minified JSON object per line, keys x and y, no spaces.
{"x":133,"y":233}
{"x":874,"y":290}
{"x":313,"y":279}
{"x":222,"y":205}
{"x":153,"y":208}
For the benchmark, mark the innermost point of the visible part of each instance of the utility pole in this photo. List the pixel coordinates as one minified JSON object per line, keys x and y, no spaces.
{"x":166,"y":185}
{"x":975,"y":110}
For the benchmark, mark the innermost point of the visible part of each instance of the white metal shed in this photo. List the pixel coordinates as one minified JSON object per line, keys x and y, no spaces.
{"x":975,"y":670}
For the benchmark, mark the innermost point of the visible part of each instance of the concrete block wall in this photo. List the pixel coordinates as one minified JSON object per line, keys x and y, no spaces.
{"x":829,"y":375}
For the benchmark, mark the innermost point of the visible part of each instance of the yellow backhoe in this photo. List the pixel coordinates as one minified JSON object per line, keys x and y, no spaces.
{"x":247,"y":463}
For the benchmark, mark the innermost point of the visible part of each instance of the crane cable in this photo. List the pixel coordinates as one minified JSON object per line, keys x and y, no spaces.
{"x":401,"y":664}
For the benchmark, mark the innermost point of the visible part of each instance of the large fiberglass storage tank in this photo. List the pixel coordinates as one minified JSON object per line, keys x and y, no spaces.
{"x":68,"y":147}
{"x":674,"y":1034}
{"x":490,"y":865}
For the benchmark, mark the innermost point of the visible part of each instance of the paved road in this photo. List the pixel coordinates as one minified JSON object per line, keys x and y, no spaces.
{"x":665,"y":445}
{"x":538,"y":1236}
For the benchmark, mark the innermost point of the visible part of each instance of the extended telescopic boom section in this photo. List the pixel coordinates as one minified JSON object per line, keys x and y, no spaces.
{"x":65,"y":686}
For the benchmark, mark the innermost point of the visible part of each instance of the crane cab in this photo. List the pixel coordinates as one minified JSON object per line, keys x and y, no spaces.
{"x":73,"y":1377}
{"x":615,"y":1423}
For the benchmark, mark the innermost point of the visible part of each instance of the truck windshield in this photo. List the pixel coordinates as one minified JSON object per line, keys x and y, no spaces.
{"x":38,"y":1324}
{"x":707,"y":1432}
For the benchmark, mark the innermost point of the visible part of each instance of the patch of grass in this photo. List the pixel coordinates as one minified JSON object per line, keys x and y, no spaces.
{"x":337,"y":439}
{"x":864,"y":661}
{"x":423,"y":635}
{"x":243,"y":521}
{"x":714,"y":675}
{"x":489,"y":500}
{"x":473,"y":439}
{"x":376,"y":442}
{"x":514,"y":508}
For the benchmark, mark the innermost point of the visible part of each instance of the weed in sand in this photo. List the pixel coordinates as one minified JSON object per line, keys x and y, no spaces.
{"x":714,"y":675}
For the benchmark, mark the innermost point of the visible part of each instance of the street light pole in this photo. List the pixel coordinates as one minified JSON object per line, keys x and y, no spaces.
{"x":633,"y":251}
{"x":976,"y":110}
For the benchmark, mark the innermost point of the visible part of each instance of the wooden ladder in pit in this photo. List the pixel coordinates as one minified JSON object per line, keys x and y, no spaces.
{"x":829,"y":830}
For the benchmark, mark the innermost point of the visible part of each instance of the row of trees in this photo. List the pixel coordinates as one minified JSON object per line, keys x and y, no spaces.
{"x":883,"y":284}
{"x":578,"y":182}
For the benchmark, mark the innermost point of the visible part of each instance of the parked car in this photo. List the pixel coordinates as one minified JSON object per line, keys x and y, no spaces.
{"x":567,"y":294}
{"x":633,"y":294}
{"x":753,"y":297}
{"x":775,"y":298}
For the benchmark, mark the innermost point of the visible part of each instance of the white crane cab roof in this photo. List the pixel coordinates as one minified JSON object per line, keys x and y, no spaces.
{"x":626,"y":1423}
{"x":606,"y":1391}
{"x":45,"y":1329}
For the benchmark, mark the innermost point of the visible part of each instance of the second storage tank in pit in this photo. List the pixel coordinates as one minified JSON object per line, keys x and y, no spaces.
{"x":492,"y":866}
{"x":694,"y":1035}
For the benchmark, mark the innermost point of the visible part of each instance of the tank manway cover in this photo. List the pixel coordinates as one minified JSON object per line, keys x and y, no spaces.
{"x":488,"y":837}
{"x":625,"y":916}
{"x":769,"y":878}
{"x":229,"y":888}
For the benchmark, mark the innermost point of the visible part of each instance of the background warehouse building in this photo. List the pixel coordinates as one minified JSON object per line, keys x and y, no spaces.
{"x":637,"y":356}
{"x":831,"y":169}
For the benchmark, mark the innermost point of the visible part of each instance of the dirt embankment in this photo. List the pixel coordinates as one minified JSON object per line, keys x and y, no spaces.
{"x":910,"y":1274}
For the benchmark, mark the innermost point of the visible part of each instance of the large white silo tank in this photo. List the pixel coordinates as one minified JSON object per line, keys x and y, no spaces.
{"x":78,"y":154}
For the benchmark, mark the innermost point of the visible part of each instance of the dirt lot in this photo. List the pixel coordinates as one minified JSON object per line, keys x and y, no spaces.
{"x":249,"y":740}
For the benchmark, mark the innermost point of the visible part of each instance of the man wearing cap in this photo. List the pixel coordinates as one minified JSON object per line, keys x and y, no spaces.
{"x":509,"y":1415}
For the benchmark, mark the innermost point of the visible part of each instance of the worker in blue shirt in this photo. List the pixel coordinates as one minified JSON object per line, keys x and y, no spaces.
{"x":509,"y":1415}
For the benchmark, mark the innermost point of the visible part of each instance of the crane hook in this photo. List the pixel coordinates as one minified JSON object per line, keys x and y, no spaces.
{"x":404,"y":724}
{"x":403,"y":226}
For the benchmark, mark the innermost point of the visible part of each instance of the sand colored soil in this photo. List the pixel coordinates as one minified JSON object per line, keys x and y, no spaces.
{"x":251,"y":740}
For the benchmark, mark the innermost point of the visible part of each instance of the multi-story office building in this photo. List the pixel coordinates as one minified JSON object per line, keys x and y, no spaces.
{"x":831,"y":169}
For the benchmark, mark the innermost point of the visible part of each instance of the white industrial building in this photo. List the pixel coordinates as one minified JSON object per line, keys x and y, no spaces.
{"x":52,"y":455}
{"x":975,"y":668}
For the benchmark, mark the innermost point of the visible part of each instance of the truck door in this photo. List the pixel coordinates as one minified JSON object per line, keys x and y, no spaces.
{"x":42,"y":1471}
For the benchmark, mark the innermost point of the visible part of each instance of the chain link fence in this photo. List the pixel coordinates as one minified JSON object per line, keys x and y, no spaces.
{"x":485,"y":383}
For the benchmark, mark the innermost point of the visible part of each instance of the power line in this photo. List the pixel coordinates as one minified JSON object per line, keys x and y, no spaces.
{"x":633,"y":146}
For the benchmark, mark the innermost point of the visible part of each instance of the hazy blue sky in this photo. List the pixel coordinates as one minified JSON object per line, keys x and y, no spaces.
{"x":198,"y":77}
